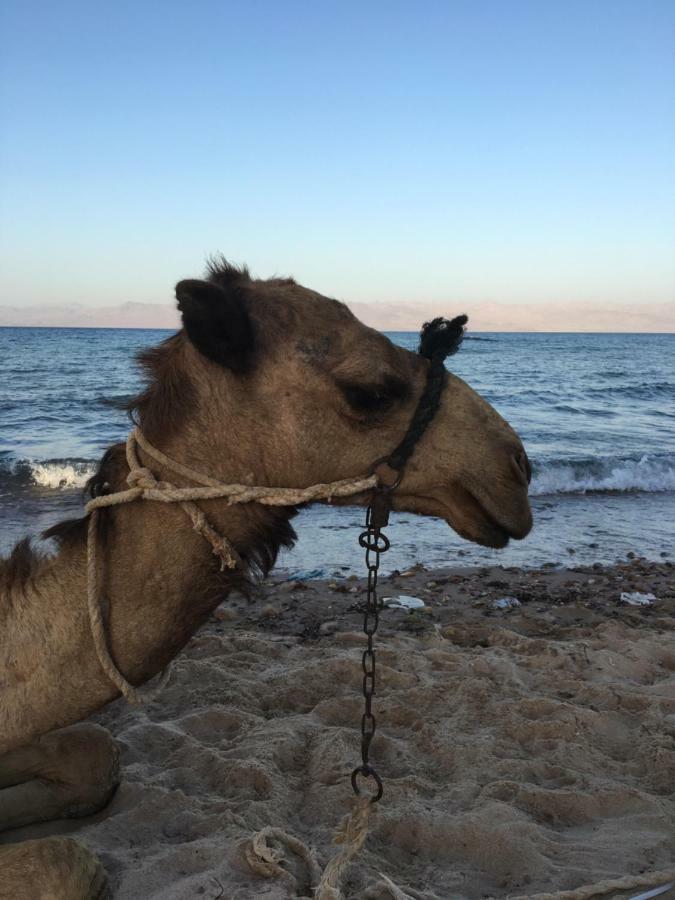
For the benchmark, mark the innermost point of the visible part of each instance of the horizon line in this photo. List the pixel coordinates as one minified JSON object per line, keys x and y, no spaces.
{"x":381,"y":330}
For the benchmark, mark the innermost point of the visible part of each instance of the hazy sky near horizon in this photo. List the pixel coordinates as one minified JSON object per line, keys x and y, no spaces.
{"x":470,"y":152}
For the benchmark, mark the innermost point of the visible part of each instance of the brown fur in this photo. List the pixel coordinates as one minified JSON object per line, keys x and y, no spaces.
{"x":321,"y":399}
{"x":18,"y":567}
{"x":169,"y":394}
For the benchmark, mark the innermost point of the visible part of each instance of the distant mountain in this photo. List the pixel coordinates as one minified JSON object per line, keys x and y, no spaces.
{"x":126,"y":315}
{"x":483,"y":316}
{"x":490,"y":316}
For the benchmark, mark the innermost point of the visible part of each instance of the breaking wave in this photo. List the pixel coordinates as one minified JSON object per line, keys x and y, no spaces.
{"x":645,"y":475}
{"x":56,"y":474}
{"x":649,"y":474}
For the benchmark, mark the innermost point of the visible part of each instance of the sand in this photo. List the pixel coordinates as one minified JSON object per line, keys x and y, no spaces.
{"x":523,"y":750}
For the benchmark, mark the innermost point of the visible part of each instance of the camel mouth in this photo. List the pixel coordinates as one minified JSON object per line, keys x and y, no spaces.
{"x":470,"y":518}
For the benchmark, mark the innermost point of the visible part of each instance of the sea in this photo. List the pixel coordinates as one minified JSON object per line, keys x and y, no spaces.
{"x":596,"y":413}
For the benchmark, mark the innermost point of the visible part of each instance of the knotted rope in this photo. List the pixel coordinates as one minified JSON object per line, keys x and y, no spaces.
{"x":349,"y":835}
{"x":143,"y":485}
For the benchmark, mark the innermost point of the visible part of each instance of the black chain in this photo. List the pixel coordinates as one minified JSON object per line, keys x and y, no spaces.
{"x":438,"y":339}
{"x":375,"y":543}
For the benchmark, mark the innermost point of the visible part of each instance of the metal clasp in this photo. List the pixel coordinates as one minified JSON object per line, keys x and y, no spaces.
{"x":367,"y":771}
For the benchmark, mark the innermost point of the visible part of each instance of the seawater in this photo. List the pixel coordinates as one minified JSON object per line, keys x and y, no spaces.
{"x":596,"y":413}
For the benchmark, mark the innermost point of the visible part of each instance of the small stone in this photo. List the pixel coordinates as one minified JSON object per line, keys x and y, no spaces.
{"x":269,"y":611}
{"x":328,"y":627}
{"x":505,"y":603}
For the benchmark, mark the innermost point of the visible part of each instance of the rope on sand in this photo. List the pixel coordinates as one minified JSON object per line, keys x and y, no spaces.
{"x":144,"y":486}
{"x":626,"y":883}
{"x":266,"y":861}
{"x":350,"y":833}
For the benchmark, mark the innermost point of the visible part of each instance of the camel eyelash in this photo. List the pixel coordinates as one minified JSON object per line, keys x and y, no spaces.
{"x":376,"y":397}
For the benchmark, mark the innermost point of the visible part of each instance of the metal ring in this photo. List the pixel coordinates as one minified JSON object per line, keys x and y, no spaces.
{"x":367,"y":772}
{"x":382,"y":486}
{"x":376,"y":542}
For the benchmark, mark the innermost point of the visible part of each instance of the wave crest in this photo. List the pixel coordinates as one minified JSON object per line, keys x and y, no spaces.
{"x":54,"y":474}
{"x":61,"y":475}
{"x":646,"y":474}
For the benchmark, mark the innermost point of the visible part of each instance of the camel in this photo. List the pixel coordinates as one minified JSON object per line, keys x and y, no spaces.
{"x":267,"y":383}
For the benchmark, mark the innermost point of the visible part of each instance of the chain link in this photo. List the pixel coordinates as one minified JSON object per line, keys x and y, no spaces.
{"x":375,"y":543}
{"x":438,"y":340}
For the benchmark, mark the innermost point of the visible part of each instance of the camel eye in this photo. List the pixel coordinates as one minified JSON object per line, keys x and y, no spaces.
{"x":367,"y":399}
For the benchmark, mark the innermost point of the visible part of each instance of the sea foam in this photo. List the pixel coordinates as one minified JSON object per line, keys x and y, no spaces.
{"x":61,"y":474}
{"x":646,"y":475}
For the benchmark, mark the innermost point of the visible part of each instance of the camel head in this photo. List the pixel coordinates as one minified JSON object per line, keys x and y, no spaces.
{"x":285,"y":387}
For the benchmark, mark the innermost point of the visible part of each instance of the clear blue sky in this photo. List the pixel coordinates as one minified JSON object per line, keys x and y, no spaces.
{"x":498,"y":151}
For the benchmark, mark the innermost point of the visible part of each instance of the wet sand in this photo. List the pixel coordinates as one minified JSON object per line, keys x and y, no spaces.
{"x":524,"y":750}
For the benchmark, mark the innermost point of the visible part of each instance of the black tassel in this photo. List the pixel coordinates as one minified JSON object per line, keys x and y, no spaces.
{"x":442,"y":337}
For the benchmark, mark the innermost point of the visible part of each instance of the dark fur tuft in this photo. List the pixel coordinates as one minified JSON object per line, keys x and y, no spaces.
{"x":169,"y":395}
{"x":110,"y":476}
{"x":274,"y":532}
{"x":18,"y":567}
{"x":70,"y":531}
{"x":442,"y":337}
{"x":223,"y":273}
{"x":278,"y":533}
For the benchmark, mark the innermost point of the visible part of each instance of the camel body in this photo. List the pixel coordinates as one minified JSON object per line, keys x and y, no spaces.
{"x":264,"y":382}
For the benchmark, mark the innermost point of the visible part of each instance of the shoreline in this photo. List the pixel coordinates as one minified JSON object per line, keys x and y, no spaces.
{"x":579,"y":596}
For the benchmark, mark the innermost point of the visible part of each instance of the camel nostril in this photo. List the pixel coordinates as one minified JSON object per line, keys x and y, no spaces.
{"x":525,"y":467}
{"x":522,"y":467}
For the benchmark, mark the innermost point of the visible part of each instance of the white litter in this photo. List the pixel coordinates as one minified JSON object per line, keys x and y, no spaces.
{"x":635,"y":598}
{"x":505,"y":603}
{"x":655,"y":892}
{"x":403,"y":601}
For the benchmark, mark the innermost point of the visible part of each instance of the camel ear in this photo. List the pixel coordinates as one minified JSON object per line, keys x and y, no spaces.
{"x":217,"y":322}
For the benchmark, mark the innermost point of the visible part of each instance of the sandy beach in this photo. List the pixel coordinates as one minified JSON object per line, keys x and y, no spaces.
{"x":524,"y":750}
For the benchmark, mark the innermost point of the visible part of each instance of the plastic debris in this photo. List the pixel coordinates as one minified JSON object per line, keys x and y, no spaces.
{"x":404,"y":601}
{"x":654,"y":892}
{"x":635,"y":598}
{"x":505,"y":603}
{"x":306,"y":575}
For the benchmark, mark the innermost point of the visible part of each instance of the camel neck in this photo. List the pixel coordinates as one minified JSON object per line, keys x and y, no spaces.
{"x":160,"y":582}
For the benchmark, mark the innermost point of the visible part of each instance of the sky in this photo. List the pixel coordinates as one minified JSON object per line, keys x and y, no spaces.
{"x":512,"y":159}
